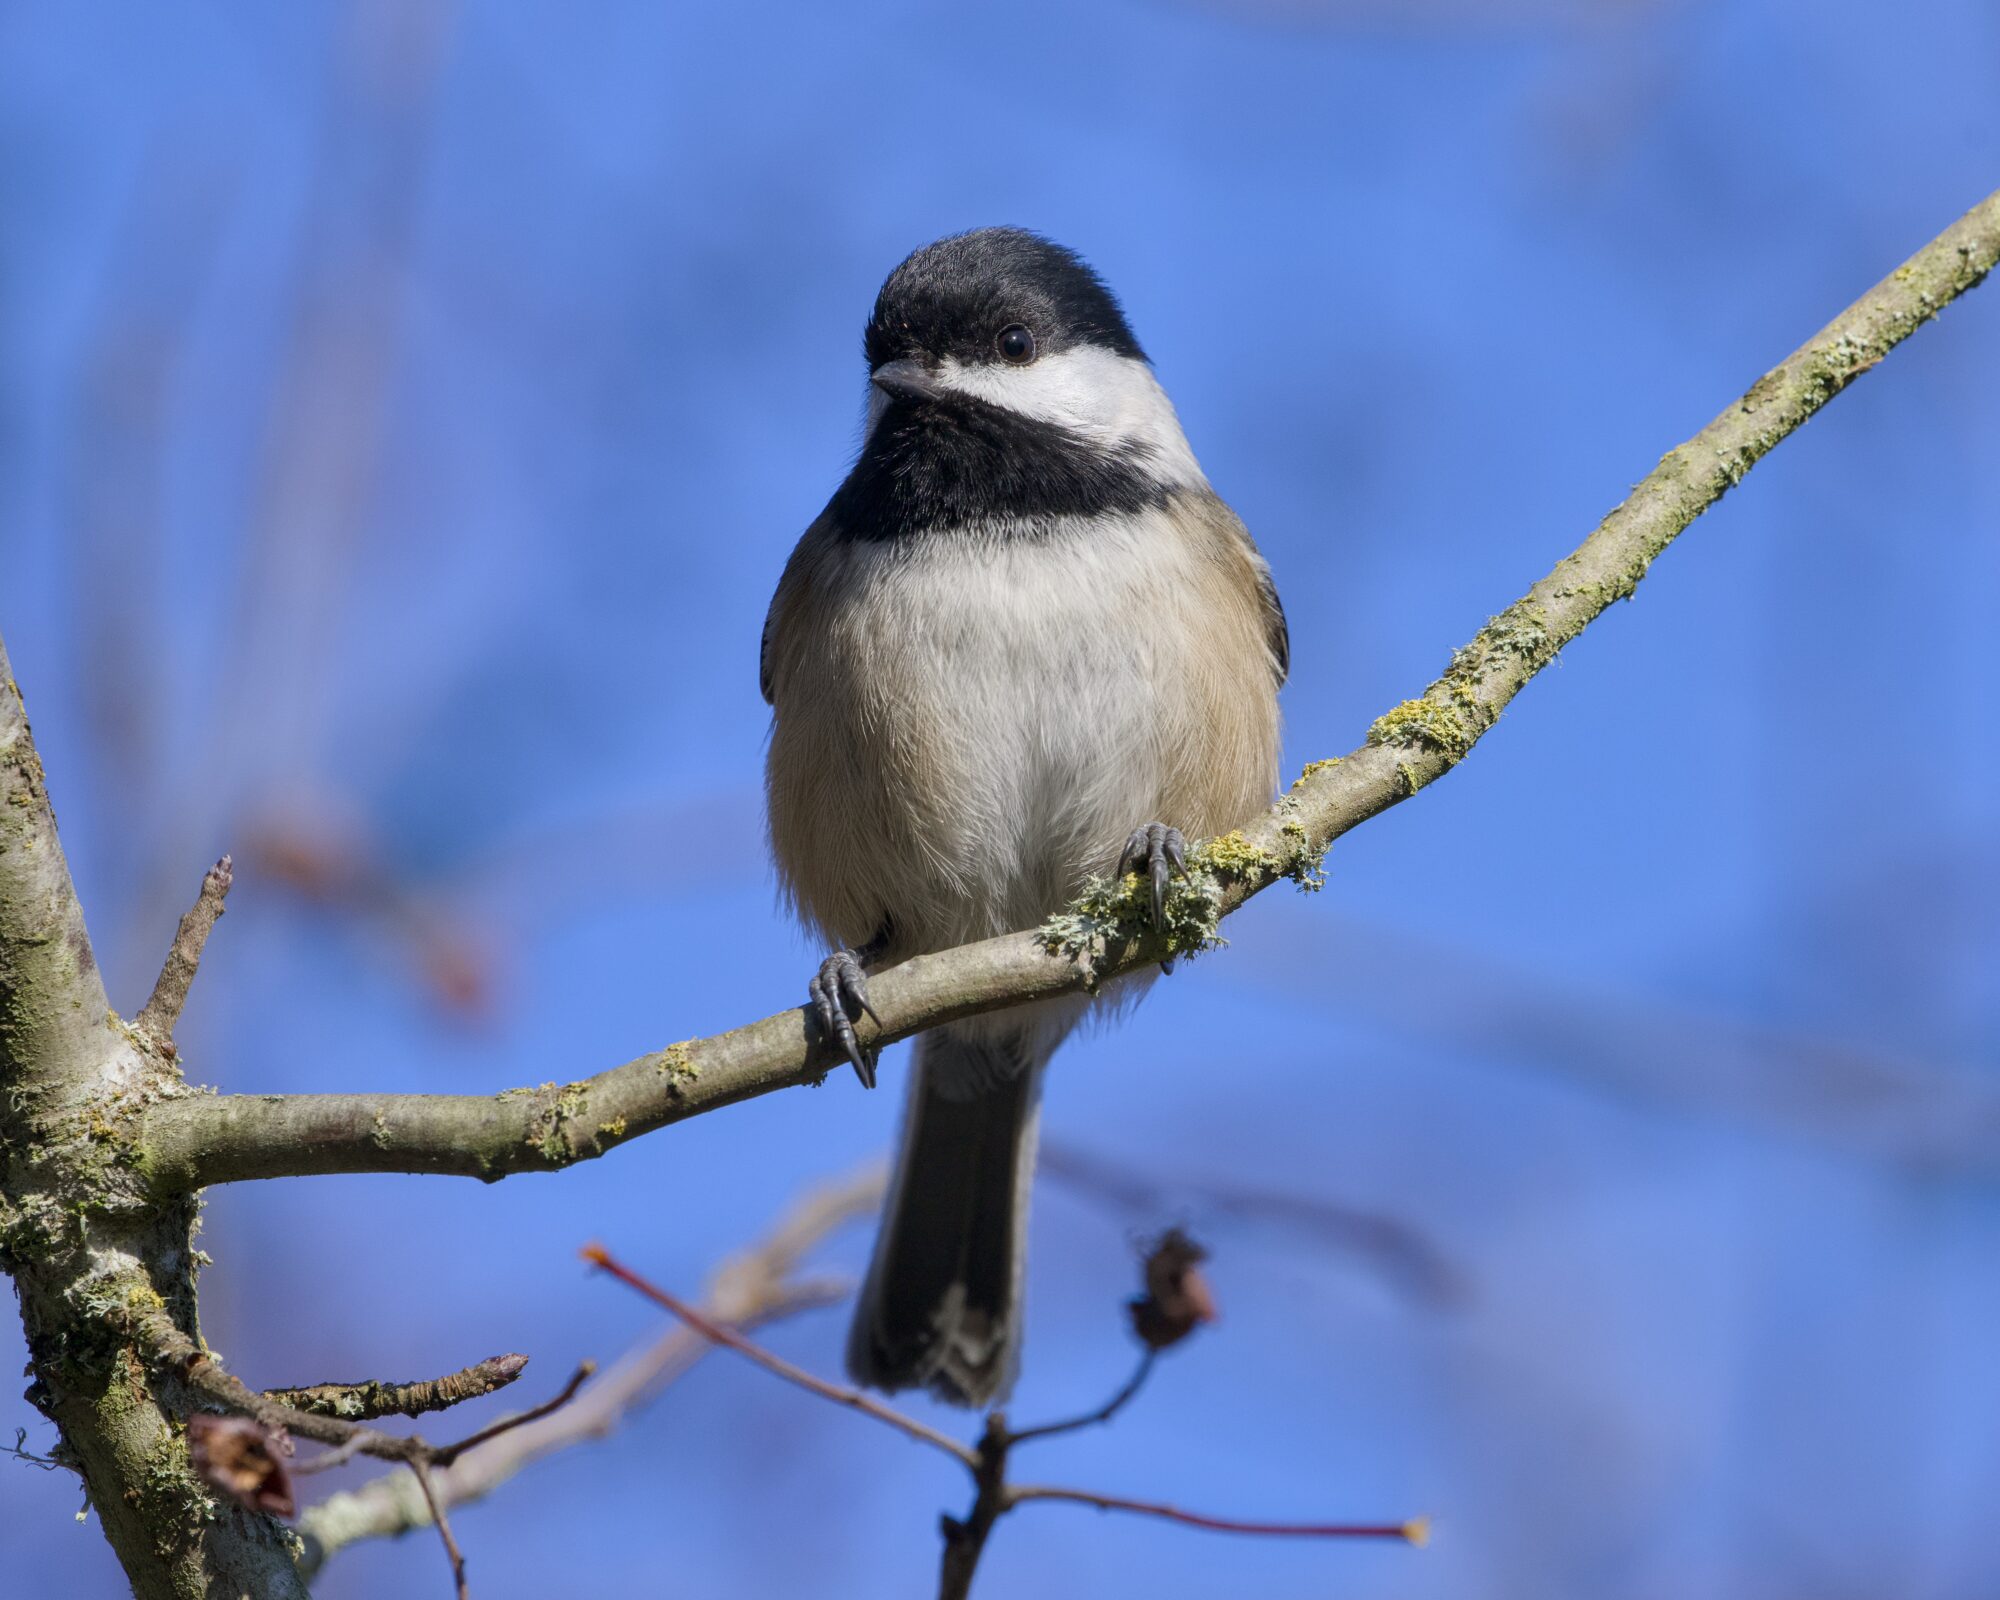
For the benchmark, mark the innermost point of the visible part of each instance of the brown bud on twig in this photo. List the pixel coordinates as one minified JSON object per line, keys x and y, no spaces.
{"x":238,"y":1457}
{"x":1177,"y":1298}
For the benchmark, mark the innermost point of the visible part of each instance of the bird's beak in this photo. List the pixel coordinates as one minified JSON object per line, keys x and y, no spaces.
{"x":906,"y":380}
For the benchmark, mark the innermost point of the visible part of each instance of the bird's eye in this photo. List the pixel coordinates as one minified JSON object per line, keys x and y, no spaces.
{"x":1016,"y":345}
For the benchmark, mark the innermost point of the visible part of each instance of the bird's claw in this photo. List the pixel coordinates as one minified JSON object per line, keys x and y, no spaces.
{"x":1152,"y":850}
{"x":839,"y":993}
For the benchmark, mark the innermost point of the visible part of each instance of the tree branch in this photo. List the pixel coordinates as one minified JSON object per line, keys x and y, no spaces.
{"x":155,"y":1332}
{"x":1148,"y":1354}
{"x":199,"y":1139}
{"x":422,"y":1472}
{"x":64,"y":1055}
{"x":162,"y":1012}
{"x":753,"y":1288}
{"x":358,"y":1402}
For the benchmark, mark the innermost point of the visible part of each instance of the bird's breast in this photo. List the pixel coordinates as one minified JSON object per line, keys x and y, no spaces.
{"x":972,"y":724}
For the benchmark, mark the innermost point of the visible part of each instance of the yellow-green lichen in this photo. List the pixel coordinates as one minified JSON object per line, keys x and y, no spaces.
{"x":1233,"y":854}
{"x":167,"y":1495}
{"x":1307,"y":869}
{"x":1521,"y":632}
{"x":549,"y":1134}
{"x":1313,"y":769}
{"x":1112,"y":914}
{"x":677,"y":1063}
{"x":1425,"y":725}
{"x":614,"y":1129}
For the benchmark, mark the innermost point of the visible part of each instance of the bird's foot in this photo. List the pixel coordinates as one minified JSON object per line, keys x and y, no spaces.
{"x":840,"y":994}
{"x":1152,"y":851}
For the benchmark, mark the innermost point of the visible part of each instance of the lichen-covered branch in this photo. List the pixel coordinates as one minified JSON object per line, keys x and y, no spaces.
{"x":163,"y":1344}
{"x":193,"y":1140}
{"x":371,"y":1398}
{"x":81,"y":1236}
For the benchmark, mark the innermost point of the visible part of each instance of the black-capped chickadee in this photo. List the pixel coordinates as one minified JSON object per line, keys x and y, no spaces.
{"x":1025,"y":643}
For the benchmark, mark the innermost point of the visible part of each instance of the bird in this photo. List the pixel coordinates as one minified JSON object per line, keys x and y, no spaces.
{"x":1025,"y":644}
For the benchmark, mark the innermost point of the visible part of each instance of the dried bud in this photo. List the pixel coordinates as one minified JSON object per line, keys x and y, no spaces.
{"x":1177,"y":1298}
{"x":237,"y":1457}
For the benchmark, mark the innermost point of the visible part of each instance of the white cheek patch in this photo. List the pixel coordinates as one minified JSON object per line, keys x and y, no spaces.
{"x":1109,"y":399}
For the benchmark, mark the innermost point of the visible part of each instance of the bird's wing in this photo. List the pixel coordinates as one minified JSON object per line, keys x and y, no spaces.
{"x":792,"y":586}
{"x":1277,"y":634}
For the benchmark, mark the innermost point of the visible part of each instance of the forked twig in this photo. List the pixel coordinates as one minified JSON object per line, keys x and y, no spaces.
{"x":965,"y":1540}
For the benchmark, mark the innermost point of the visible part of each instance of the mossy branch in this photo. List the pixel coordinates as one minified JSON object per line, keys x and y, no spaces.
{"x":194,"y":1140}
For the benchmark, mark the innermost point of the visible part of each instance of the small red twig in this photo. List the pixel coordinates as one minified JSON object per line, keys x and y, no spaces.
{"x":443,"y":1524}
{"x":1417,"y":1531}
{"x":839,"y":1394}
{"x":965,"y":1539}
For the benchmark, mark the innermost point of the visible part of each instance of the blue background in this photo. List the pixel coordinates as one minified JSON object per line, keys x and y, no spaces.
{"x":407,"y":410}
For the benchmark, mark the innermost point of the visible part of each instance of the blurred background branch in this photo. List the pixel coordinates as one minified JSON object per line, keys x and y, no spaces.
{"x":762,"y":1284}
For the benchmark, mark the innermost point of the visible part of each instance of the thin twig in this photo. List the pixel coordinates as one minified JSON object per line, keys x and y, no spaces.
{"x":162,"y":1011}
{"x":207,"y":1376}
{"x":445,"y":1455}
{"x":204,"y":1374}
{"x":1416,"y":1531}
{"x":965,"y":1539}
{"x":327,"y":1460}
{"x":839,"y":1394}
{"x":357,"y":1402}
{"x":422,"y":1469}
{"x":20,"y":1452}
{"x":156,"y":1331}
{"x":754,"y":1287}
{"x":1103,"y":1413}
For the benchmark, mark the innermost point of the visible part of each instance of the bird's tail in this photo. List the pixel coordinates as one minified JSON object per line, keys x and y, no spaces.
{"x":942,"y":1303}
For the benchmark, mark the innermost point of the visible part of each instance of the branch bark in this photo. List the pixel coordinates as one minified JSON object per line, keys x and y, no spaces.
{"x":192,"y":1140}
{"x":78,"y":1231}
{"x":161,"y":1014}
{"x":371,"y":1398}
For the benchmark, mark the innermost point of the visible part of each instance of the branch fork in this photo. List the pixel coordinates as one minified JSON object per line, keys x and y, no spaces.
{"x":155,"y":1331}
{"x":993,"y":1495}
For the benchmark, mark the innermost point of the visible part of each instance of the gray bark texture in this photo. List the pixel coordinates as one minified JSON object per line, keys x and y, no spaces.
{"x":88,"y":1239}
